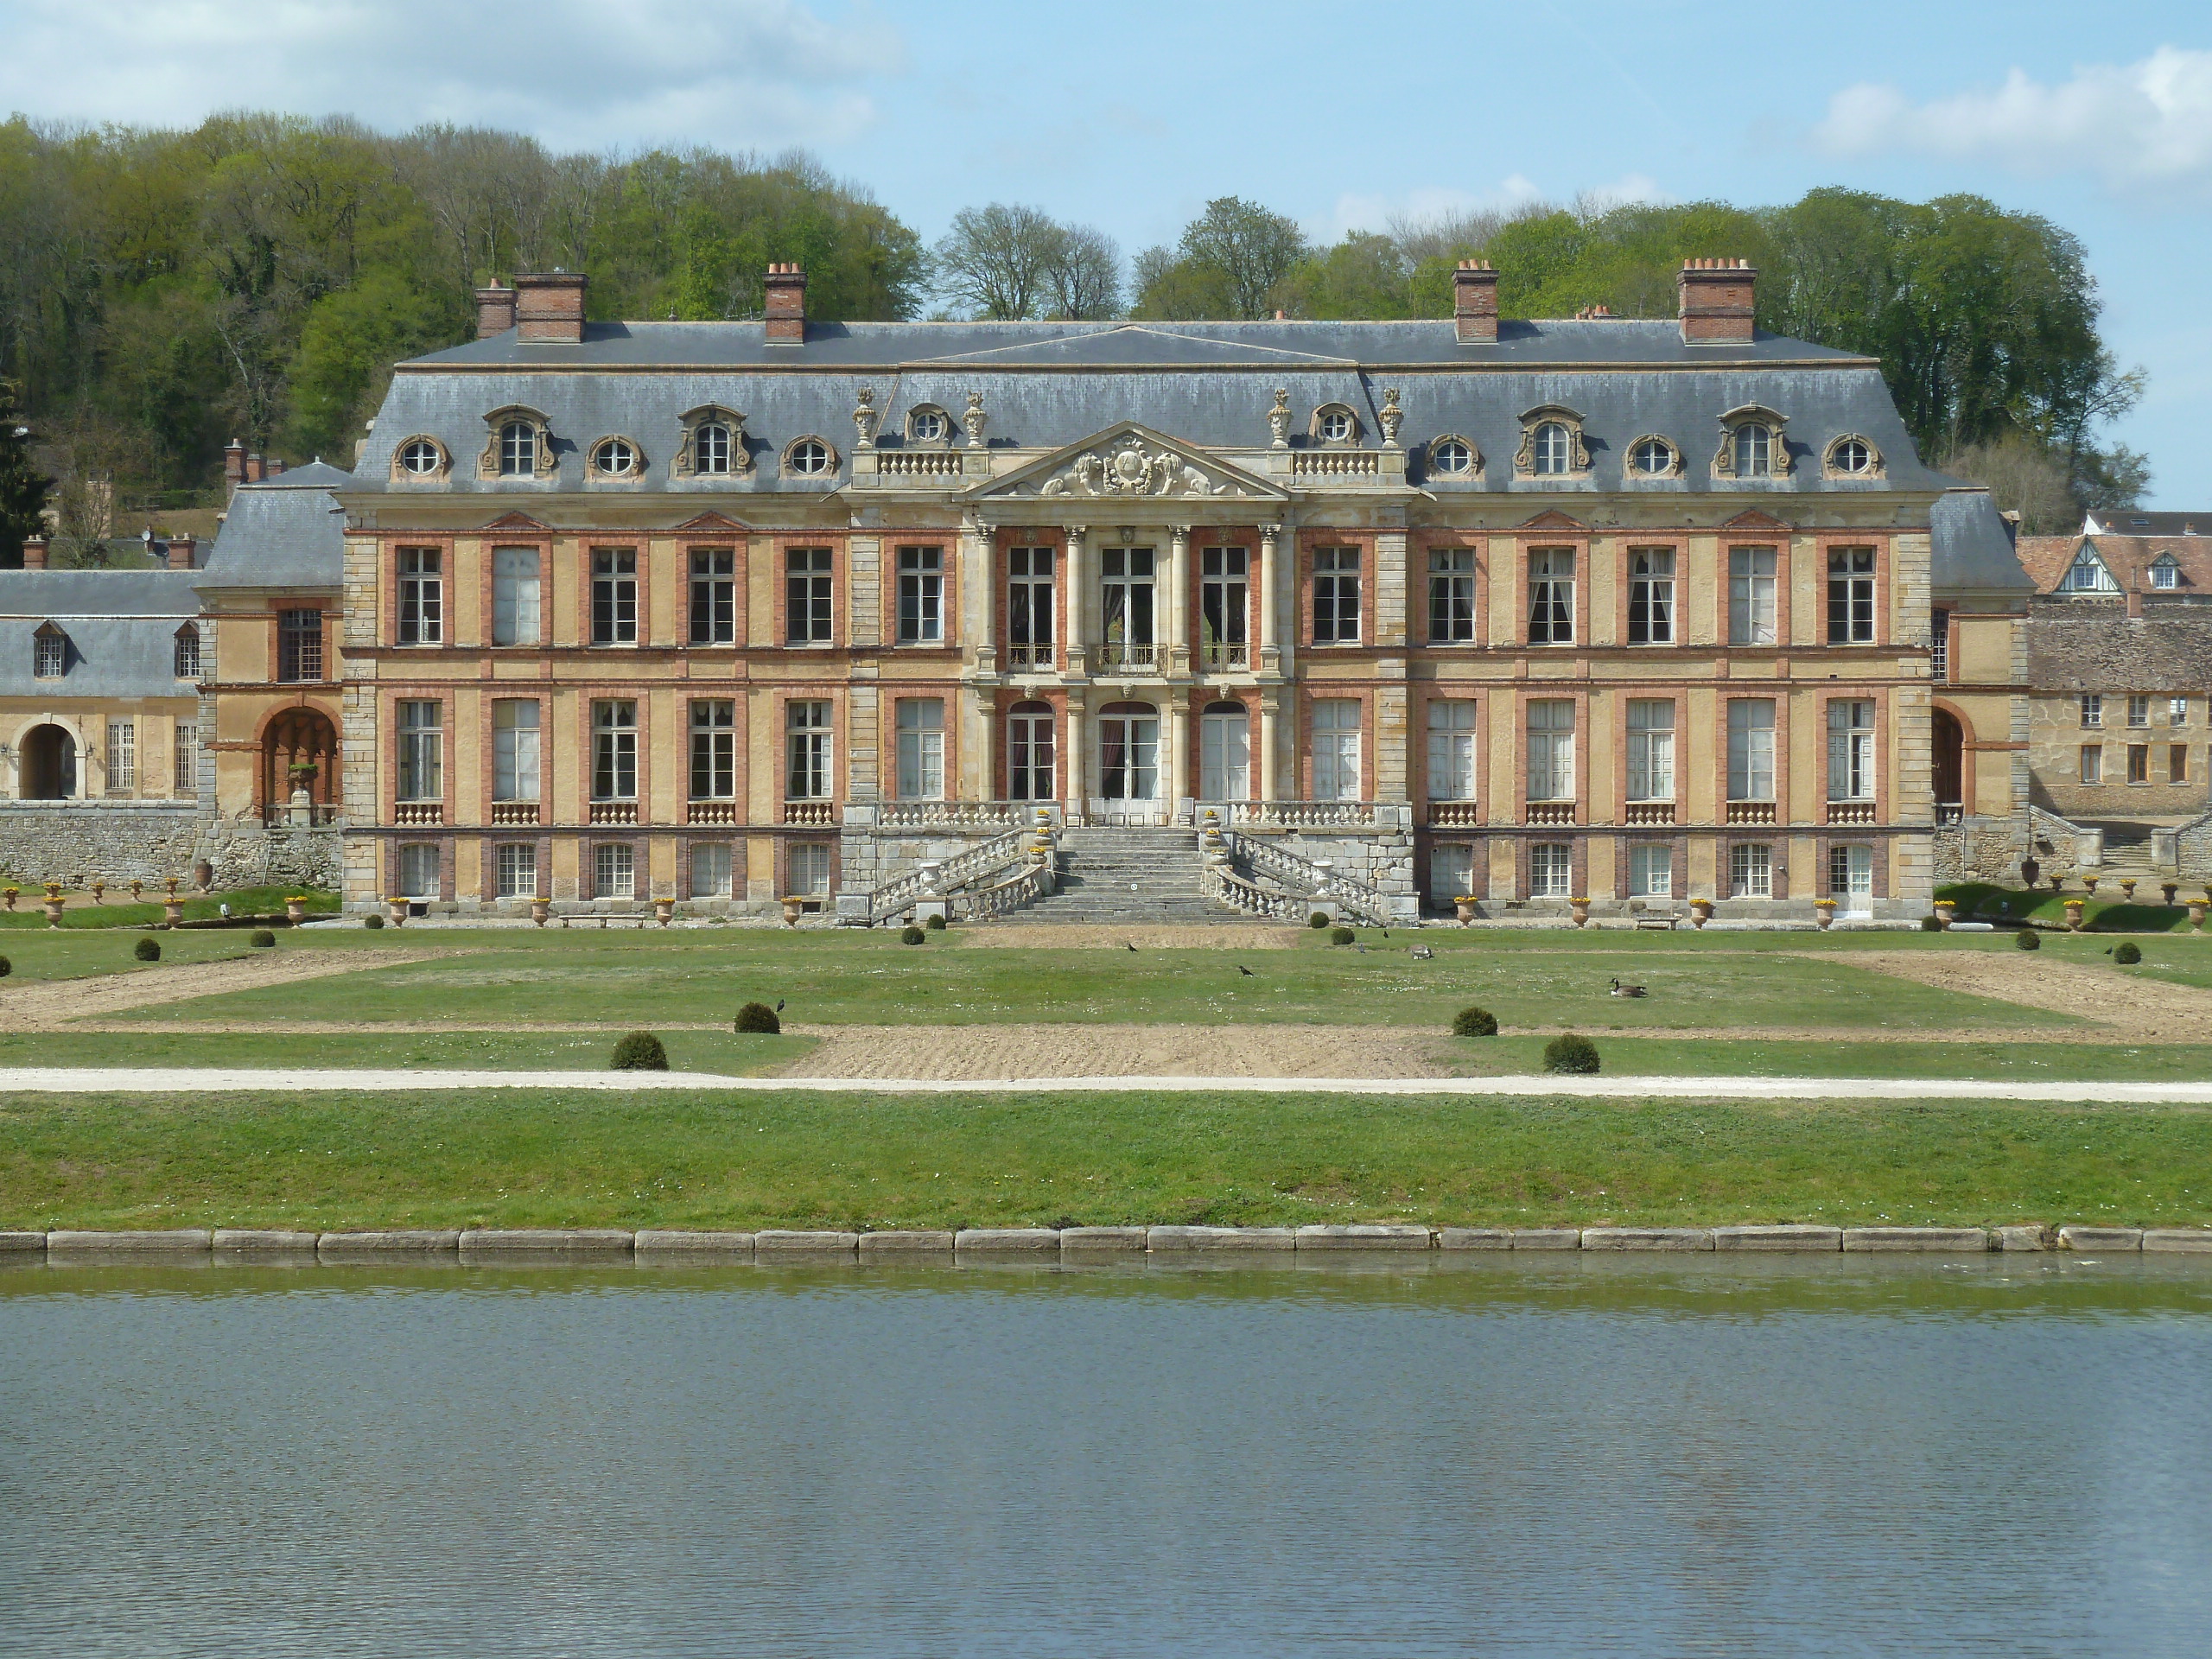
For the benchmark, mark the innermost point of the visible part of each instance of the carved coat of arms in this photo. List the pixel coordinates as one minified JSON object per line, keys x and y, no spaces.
{"x":1129,"y":468}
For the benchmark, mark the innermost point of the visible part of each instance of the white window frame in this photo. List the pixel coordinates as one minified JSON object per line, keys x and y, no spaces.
{"x":1551,"y":596}
{"x":921,"y":595}
{"x":1551,"y":870}
{"x":122,"y":757}
{"x":1754,"y":589}
{"x":613,"y":870}
{"x":714,"y":870}
{"x":1031,"y":614}
{"x":1126,"y":605}
{"x":810,"y":596}
{"x":2139,"y":710}
{"x":421,"y":735}
{"x":1851,"y":749}
{"x":517,"y":618}
{"x":615,"y":749}
{"x":2093,"y":764}
{"x":2092,"y":711}
{"x":1650,"y":870}
{"x":1551,"y":450}
{"x":1451,"y":871}
{"x":1454,"y":723}
{"x":1652,"y":749}
{"x":421,"y":871}
{"x":1754,"y":442}
{"x":1550,"y":723}
{"x":1651,"y":596}
{"x":1452,"y":596}
{"x":1750,"y":870}
{"x":614,"y":596}
{"x":1750,"y":749}
{"x":714,"y":749}
{"x":518,"y":442}
{"x":808,"y":774}
{"x":713,"y":596}
{"x":422,"y":596}
{"x":515,"y":870}
{"x":1336,"y":738}
{"x":514,"y":748}
{"x":184,"y":759}
{"x":1852,"y":620}
{"x":1336,"y":595}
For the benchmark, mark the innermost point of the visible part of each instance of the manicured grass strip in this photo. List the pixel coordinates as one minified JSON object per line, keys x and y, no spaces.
{"x":82,"y":912}
{"x":1627,"y":1055}
{"x":719,"y":1051}
{"x":507,"y":1158}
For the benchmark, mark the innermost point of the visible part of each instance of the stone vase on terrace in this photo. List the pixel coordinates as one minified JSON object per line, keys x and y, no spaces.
{"x":1701,"y":911}
{"x":2074,"y":913}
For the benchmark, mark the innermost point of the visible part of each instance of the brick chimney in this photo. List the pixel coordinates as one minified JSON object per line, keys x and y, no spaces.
{"x":550,"y":307}
{"x":234,"y":463}
{"x":495,"y":310}
{"x":253,"y":469}
{"x":1474,"y":300}
{"x":181,"y":552}
{"x":274,"y":469}
{"x":1715,"y":297}
{"x":34,"y":552}
{"x":786,"y":308}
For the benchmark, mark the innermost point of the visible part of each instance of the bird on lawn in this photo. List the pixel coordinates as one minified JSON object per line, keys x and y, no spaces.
{"x":779,"y":1005}
{"x":1247,"y":972}
{"x":1422,"y":953}
{"x":1126,"y":945}
{"x":1620,"y":990}
{"x":1363,"y":946}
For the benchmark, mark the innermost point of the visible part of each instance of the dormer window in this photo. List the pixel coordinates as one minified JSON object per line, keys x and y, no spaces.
{"x":710,"y":447}
{"x":49,"y":654}
{"x":2165,"y":572}
{"x":421,"y":458}
{"x":928,"y":424}
{"x":1335,"y":424}
{"x":1752,"y":444}
{"x":1551,"y":443}
{"x":1451,"y":457}
{"x":1653,"y":457}
{"x":615,"y":458}
{"x":518,"y":450}
{"x":713,"y":446}
{"x":1754,"y":451}
{"x":187,"y":652}
{"x":2087,"y":575}
{"x":1853,"y":456}
{"x":810,"y":458}
{"x":1551,"y":449}
{"x":520,"y":446}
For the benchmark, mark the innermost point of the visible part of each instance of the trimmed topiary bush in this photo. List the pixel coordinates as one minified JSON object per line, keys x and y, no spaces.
{"x":1340,"y":935}
{"x":262,"y":937}
{"x":756,"y":1017}
{"x":6,"y":967}
{"x":371,"y":922}
{"x":640,"y":1052}
{"x":2028,"y":939}
{"x":1930,"y":924}
{"x":147,"y":951}
{"x":1571,"y":1053}
{"x":1474,"y":1022}
{"x":2128,"y":955}
{"x":935,"y":924}
{"x":1317,"y":920}
{"x":912,"y":934}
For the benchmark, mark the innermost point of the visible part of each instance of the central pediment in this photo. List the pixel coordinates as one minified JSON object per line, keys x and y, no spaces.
{"x":1128,"y":462}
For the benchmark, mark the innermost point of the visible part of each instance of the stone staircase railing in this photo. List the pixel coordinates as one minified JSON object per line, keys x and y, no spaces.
{"x":1220,"y":882}
{"x":963,"y":871}
{"x":1034,"y":882}
{"x":1300,"y":877}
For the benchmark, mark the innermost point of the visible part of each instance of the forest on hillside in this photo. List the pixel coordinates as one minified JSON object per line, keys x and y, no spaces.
{"x":162,"y":292}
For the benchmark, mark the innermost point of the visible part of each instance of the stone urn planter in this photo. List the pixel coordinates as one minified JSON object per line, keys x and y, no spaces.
{"x":1463,"y":907}
{"x":539,"y":910}
{"x":11,"y":894}
{"x":99,"y":892}
{"x":1824,"y":913}
{"x":2074,"y":914}
{"x":2031,"y":873}
{"x":2089,"y":883}
{"x":2128,"y":889}
{"x":2195,"y":916}
{"x":397,"y":909}
{"x":1701,"y":911}
{"x":2167,"y":890}
{"x":172,"y":911}
{"x":138,"y":887}
{"x":1580,"y":909}
{"x":663,"y":911}
{"x":1946,"y":911}
{"x":296,"y":909}
{"x":54,"y":901}
{"x":203,"y":876}
{"x":794,"y":907}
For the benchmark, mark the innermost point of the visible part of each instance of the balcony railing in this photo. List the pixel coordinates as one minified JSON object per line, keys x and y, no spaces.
{"x":816,"y":814}
{"x":417,"y":814}
{"x":284,"y":816}
{"x":952,"y":815}
{"x":1851,"y":811}
{"x":1751,"y":812}
{"x":917,"y":463}
{"x":513,"y":815}
{"x":1119,"y":656}
{"x":1648,"y":812}
{"x":1551,"y":814}
{"x":1950,"y":812}
{"x":710,"y":812}
{"x":1029,"y":659}
{"x":1232,"y":654}
{"x":1335,"y":463}
{"x":614,"y":811}
{"x":1454,"y":815}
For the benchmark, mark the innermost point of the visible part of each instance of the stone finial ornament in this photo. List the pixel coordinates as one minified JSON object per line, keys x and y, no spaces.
{"x":1391,"y":417}
{"x":1279,"y":419}
{"x":865,"y":417}
{"x":975,"y":420}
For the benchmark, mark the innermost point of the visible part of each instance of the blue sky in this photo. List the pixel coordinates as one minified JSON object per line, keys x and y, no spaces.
{"x":1131,"y":114}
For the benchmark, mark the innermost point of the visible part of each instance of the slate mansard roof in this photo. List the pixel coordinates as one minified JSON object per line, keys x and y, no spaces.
{"x":122,"y":627}
{"x":1974,"y":556}
{"x":285,"y":532}
{"x":1044,"y":385}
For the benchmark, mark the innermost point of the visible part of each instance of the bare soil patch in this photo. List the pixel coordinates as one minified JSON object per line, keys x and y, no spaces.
{"x":56,"y":1004}
{"x":2126,"y":1009}
{"x":1083,"y":937}
{"x":995,"y":1053}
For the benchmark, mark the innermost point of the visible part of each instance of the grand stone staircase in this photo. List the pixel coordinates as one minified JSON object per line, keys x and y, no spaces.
{"x":1127,"y":877}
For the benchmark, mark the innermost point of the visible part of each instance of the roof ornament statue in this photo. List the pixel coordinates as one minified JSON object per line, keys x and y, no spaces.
{"x":865,"y":417}
{"x":1390,"y":417}
{"x":975,"y":420}
{"x":1279,"y":419}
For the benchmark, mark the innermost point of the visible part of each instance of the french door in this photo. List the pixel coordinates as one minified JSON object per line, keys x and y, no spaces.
{"x":1029,"y":753}
{"x":1336,"y":749}
{"x":1129,"y":761}
{"x":1226,"y":755}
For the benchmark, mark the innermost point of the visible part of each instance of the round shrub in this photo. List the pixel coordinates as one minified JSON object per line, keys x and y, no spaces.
{"x":756,"y":1017}
{"x":912,"y":934}
{"x":6,"y":967}
{"x":372,"y":921}
{"x":2028,"y":939}
{"x":1340,"y":935}
{"x":1474,"y":1022}
{"x":1930,"y":924}
{"x":260,"y":936}
{"x":935,"y":924}
{"x":1317,"y":920}
{"x":640,"y":1052}
{"x":2127,"y":954}
{"x":1571,"y":1053}
{"x":147,"y":951}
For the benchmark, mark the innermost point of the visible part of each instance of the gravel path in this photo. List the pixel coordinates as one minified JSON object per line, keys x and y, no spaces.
{"x":2127,"y":1008}
{"x":988,"y":1053}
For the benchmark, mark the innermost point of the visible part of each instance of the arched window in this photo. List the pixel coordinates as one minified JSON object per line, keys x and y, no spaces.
{"x":710,"y":448}
{"x":1030,"y":729}
{"x":1754,"y":451}
{"x":1551,"y":449}
{"x":518,"y":450}
{"x":187,"y":652}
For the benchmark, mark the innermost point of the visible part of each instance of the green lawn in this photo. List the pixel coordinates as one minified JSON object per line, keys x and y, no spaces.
{"x":720,"y":1051}
{"x":1552,"y":978}
{"x":2111,"y":910}
{"x":530,"y":1158}
{"x":119,"y":911}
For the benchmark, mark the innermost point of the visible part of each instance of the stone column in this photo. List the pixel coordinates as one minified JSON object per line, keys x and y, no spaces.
{"x":983,"y":739}
{"x":1270,"y":715}
{"x":979,"y":591}
{"x":1178,"y":599}
{"x":1175,"y":765}
{"x":1073,"y":739}
{"x":1270,"y":653}
{"x":1074,"y":602}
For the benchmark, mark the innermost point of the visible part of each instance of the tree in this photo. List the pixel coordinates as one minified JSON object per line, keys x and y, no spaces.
{"x":1006,"y":263}
{"x":22,"y":487}
{"x":1085,"y":280}
{"x":1231,"y":259}
{"x":2022,"y":476}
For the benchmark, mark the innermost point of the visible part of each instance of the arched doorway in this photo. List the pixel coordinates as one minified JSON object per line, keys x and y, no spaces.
{"x":299,"y":737}
{"x":1949,"y":766}
{"x":1225,"y":753}
{"x":1129,"y":762}
{"x":1030,"y":751}
{"x":48,"y":765}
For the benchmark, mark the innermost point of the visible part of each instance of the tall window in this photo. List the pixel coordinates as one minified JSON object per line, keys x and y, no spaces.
{"x":1029,"y":607}
{"x":2138,"y":711}
{"x":1223,"y":610}
{"x":2093,"y":763}
{"x":421,"y":875}
{"x":184,"y":758}
{"x":1452,"y":596}
{"x":1750,"y":870}
{"x":920,"y":722}
{"x":1851,"y":596}
{"x":809,"y":868}
{"x":1851,"y":879}
{"x":714,"y":596}
{"x":614,"y":596}
{"x":1451,"y":872}
{"x":2139,"y":763}
{"x":299,"y":645}
{"x":1754,"y":451}
{"x":614,"y":870}
{"x":921,"y":595}
{"x":1551,"y":870}
{"x":1850,"y":750}
{"x":1651,"y":595}
{"x":422,"y":752}
{"x":422,"y":596}
{"x":1939,"y":644}
{"x":712,"y":870}
{"x":49,"y":654}
{"x":2176,"y":763}
{"x":518,"y":450}
{"x":1551,"y":596}
{"x":1125,"y":584}
{"x":1652,"y":749}
{"x":516,"y":870}
{"x":2092,"y":708}
{"x":1336,"y":749}
{"x":122,"y":757}
{"x":187,"y":652}
{"x":1336,"y":595}
{"x":1029,"y":731}
{"x":1750,"y":749}
{"x":2177,"y":711}
{"x":806,"y":729}
{"x":711,"y":449}
{"x":806,"y":596}
{"x":1751,"y":595}
{"x":514,"y":596}
{"x":514,"y":749}
{"x":614,"y":750}
{"x":1551,"y":751}
{"x":1451,"y":750}
{"x":1651,"y":870}
{"x":1550,"y":449}
{"x":714,"y":750}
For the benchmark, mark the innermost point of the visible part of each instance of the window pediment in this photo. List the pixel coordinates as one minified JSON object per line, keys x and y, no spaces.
{"x":1752,"y":444}
{"x":1552,"y":443}
{"x":1335,"y":425}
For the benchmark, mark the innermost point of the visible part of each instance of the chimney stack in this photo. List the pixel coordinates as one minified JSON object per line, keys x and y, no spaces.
{"x":253,"y":469}
{"x":234,"y":463}
{"x":276,"y":468}
{"x":180,"y":550}
{"x":495,"y":310}
{"x":786,"y":306}
{"x":34,"y":552}
{"x":1715,"y":297}
{"x":550,"y":307}
{"x":1474,"y":301}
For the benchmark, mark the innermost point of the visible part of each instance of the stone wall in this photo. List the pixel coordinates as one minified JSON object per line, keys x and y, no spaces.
{"x":42,"y":841}
{"x":251,"y":855}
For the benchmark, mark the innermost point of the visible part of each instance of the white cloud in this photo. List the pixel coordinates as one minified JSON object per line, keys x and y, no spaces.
{"x":2138,"y":125}
{"x":574,"y":73}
